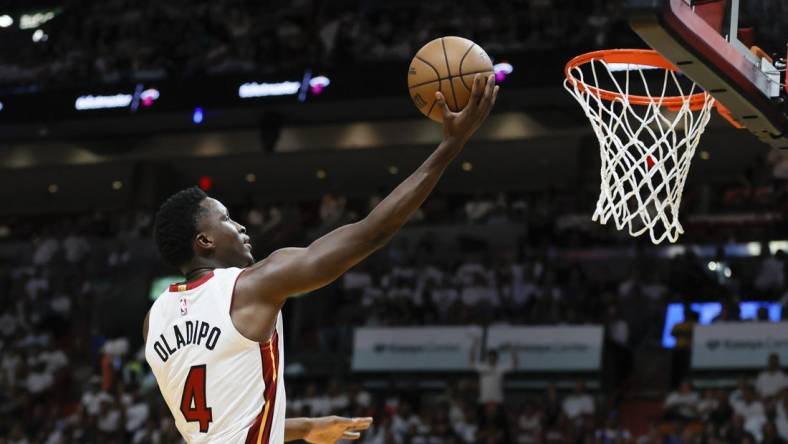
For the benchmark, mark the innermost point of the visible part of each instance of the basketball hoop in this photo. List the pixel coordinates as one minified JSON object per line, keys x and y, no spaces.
{"x":647,"y":135}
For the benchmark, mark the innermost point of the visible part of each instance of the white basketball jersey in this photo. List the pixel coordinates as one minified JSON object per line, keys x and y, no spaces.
{"x":220,"y":386}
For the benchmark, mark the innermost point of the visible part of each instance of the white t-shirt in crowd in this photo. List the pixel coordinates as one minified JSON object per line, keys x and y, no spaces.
{"x":356,"y":279}
{"x":363,"y":398}
{"x":754,"y":417}
{"x":92,"y":401}
{"x":619,"y":332}
{"x":147,"y":436}
{"x":530,"y":423}
{"x":136,"y":415}
{"x":339,"y":402}
{"x":475,"y":294}
{"x":491,"y":381}
{"x":781,"y":421}
{"x":56,"y":437}
{"x":769,"y":383}
{"x":37,"y":382}
{"x":60,"y":304}
{"x":749,"y":411}
{"x":683,"y":399}
{"x":319,"y":405}
{"x":575,"y":405}
{"x":76,"y":247}
{"x":45,"y":250}
{"x":444,"y":296}
{"x":401,"y":426}
{"x":109,"y":421}
{"x":466,"y":431}
{"x":55,"y":359}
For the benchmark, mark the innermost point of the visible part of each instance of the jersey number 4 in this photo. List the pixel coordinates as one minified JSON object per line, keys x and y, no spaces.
{"x":193,"y":403}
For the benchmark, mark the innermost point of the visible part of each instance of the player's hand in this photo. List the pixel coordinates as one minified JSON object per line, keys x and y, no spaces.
{"x":463,"y":124}
{"x":329,"y":429}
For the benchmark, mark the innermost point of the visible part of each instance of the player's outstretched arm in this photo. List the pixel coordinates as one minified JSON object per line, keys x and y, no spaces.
{"x":292,"y":271}
{"x":328,"y":429}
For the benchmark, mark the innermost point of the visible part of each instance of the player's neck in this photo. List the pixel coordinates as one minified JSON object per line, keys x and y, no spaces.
{"x":197,"y":273}
{"x":197,"y":269}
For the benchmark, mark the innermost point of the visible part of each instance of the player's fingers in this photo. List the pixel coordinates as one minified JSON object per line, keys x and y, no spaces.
{"x":360,"y":423}
{"x":488,"y":88}
{"x":350,"y":436}
{"x":442,"y":104}
{"x":486,"y":100}
{"x":477,"y":90}
{"x":487,"y":113}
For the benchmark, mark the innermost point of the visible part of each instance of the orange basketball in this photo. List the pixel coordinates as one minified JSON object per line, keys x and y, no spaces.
{"x":448,"y":65}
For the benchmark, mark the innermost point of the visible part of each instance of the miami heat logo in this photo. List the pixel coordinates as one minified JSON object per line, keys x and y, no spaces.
{"x":184,"y":308}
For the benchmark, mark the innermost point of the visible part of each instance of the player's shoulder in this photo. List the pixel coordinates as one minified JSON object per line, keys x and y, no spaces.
{"x":230,"y":271}
{"x":226,"y":276}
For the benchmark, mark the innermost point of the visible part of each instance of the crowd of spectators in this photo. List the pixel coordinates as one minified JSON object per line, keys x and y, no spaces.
{"x":122,"y":40}
{"x":754,"y":412}
{"x":63,"y":380}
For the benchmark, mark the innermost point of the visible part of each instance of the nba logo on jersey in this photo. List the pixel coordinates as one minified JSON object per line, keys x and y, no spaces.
{"x":184,"y":308}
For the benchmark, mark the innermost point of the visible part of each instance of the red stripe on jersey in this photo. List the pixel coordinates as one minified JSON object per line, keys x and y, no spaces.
{"x":190,"y":285}
{"x":269,"y":353}
{"x":272,"y":399}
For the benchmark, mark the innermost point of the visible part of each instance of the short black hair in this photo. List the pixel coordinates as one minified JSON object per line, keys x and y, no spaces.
{"x":176,"y":225}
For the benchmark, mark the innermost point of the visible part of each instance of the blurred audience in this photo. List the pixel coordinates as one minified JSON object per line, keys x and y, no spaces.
{"x":71,"y":372}
{"x":122,"y":40}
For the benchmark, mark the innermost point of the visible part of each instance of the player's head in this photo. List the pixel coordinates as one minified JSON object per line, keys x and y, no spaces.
{"x":192,"y":229}
{"x":492,"y":357}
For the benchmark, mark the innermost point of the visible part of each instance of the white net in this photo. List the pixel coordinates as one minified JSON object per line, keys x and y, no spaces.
{"x":645,"y":149}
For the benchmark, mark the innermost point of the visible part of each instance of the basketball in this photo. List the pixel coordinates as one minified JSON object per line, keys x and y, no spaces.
{"x":448,"y":65}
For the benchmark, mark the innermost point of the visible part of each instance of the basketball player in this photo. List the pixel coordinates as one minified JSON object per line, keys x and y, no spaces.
{"x":215,"y":342}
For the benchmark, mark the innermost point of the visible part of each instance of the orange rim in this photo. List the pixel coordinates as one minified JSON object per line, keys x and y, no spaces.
{"x":647,"y":57}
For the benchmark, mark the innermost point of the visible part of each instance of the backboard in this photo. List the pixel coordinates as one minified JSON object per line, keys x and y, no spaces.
{"x":702,"y":38}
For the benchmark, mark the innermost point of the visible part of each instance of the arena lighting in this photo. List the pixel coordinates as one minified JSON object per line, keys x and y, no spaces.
{"x":1,"y":106}
{"x":6,"y":21}
{"x":197,"y":116}
{"x":102,"y":102}
{"x":318,"y":84}
{"x":149,"y":96}
{"x":30,"y":21}
{"x":707,"y":311}
{"x":144,"y":97}
{"x":40,"y":36}
{"x":205,"y":183}
{"x":254,"y":89}
{"x":502,"y":70}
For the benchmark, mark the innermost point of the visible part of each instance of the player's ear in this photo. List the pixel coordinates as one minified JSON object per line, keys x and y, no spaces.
{"x":204,"y":241}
